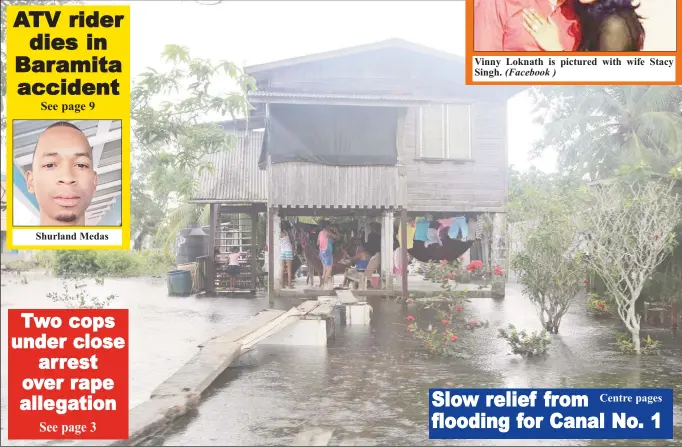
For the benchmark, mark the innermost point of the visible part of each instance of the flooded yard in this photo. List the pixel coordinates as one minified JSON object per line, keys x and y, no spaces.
{"x":164,"y":331}
{"x":370,"y":384}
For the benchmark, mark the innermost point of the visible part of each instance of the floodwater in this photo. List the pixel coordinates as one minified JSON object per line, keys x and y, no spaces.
{"x":164,"y":331}
{"x":371,"y":383}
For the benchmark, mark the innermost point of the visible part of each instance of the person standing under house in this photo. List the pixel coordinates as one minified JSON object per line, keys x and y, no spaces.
{"x":325,"y":242}
{"x":373,"y":244}
{"x":286,"y":251}
{"x":233,"y":268}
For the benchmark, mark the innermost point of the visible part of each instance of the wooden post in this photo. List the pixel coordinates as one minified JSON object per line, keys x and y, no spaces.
{"x":271,"y":258}
{"x":254,"y":248}
{"x":500,"y":247}
{"x":387,"y":234}
{"x":403,"y":252}
{"x":214,"y":209}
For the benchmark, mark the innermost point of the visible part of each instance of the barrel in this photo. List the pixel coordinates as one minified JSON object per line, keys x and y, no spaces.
{"x":179,"y":283}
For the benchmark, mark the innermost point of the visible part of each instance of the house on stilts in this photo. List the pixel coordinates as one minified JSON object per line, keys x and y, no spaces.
{"x":387,"y":130}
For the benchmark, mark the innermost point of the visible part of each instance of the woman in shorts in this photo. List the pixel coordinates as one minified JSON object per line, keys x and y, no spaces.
{"x":286,"y":254}
{"x":233,"y":268}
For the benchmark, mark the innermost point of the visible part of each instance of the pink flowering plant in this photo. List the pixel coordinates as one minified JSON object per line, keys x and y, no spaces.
{"x":441,"y":336}
{"x":475,"y":267}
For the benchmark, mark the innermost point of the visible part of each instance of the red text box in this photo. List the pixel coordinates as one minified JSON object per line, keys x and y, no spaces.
{"x":68,"y":374}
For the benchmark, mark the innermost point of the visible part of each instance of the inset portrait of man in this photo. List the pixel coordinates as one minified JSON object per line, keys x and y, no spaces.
{"x":62,"y":176}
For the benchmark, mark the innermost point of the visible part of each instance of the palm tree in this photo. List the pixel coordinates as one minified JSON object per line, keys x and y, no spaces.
{"x":597,"y":130}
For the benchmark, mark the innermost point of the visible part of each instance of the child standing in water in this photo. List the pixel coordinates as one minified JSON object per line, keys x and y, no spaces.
{"x":233,"y":268}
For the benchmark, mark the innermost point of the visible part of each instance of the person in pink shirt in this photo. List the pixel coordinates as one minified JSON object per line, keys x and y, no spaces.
{"x":500,"y":25}
{"x":325,"y":241}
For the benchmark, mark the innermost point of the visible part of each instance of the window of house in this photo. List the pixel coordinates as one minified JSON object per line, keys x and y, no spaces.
{"x":445,"y":131}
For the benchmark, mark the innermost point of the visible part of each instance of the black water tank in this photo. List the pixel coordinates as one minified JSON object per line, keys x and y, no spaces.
{"x":193,"y":244}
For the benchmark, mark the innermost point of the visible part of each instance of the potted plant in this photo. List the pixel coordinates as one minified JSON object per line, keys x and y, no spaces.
{"x":498,"y":281}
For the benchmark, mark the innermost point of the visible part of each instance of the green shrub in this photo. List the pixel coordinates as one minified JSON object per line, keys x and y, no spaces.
{"x":525,"y":344}
{"x":74,"y":263}
{"x":46,"y":260}
{"x":156,"y":262}
{"x":71,"y":264}
{"x":118,"y":263}
{"x":19,"y":266}
{"x":649,"y":346}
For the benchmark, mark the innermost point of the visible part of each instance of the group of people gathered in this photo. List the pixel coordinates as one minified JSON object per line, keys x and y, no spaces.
{"x":326,"y":239}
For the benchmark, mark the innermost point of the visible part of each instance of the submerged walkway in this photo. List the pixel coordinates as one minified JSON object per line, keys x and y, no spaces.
{"x":164,"y":332}
{"x":370,"y":384}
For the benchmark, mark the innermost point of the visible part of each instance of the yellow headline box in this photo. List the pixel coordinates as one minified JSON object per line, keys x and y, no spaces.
{"x":68,"y":127}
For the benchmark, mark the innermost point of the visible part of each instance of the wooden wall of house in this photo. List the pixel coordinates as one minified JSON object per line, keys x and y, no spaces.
{"x":314,"y":185}
{"x":446,"y":185}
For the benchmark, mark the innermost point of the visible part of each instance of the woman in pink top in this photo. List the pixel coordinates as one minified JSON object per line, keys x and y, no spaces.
{"x":325,"y":244}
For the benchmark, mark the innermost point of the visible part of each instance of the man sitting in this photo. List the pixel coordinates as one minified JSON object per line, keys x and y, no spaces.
{"x":359,"y":262}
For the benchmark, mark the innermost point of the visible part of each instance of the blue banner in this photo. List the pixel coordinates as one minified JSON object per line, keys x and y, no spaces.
{"x":561,"y":413}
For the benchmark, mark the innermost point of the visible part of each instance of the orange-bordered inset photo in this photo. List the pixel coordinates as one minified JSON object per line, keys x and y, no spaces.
{"x":575,"y":25}
{"x":573,"y":42}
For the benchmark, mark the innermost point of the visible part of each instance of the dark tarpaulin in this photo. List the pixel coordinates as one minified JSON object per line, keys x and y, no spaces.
{"x":331,"y":135}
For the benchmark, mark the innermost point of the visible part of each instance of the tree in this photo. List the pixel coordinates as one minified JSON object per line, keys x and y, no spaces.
{"x":3,"y":36}
{"x":631,"y":227}
{"x":595,"y":129}
{"x":550,"y":268}
{"x":174,"y":119}
{"x":174,"y":113}
{"x":525,"y":187}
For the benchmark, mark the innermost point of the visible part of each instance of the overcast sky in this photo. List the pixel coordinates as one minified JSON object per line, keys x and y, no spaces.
{"x":258,"y":31}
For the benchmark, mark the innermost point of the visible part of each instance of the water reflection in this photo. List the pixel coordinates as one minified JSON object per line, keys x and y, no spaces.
{"x":371,"y":383}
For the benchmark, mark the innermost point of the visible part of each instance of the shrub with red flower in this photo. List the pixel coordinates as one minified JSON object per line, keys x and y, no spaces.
{"x":498,"y":271}
{"x":597,"y":305}
{"x":439,"y":337}
{"x":475,"y":266}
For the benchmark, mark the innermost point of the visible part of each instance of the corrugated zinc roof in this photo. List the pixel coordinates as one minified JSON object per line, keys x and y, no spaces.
{"x":348,"y":51}
{"x":269,"y":94}
{"x":235,"y":177}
